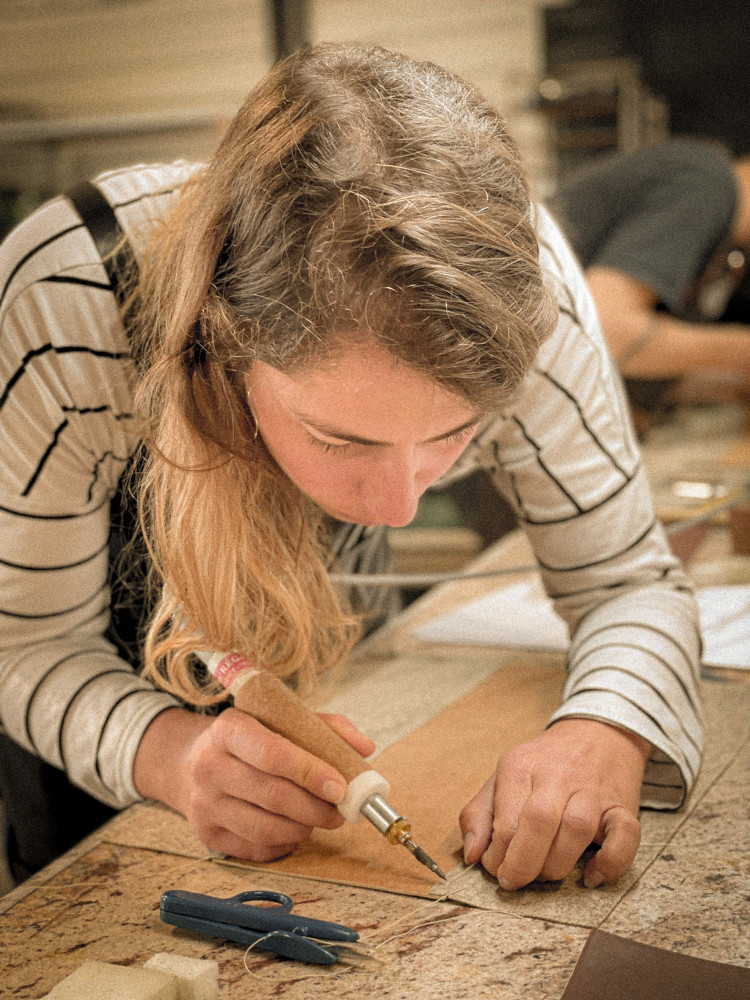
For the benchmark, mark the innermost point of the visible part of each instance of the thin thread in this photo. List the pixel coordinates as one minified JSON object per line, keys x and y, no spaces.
{"x":337,"y":971}
{"x":424,"y":906}
{"x":341,"y":968}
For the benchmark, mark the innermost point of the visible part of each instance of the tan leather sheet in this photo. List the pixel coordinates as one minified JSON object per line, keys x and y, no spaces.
{"x":433,"y":772}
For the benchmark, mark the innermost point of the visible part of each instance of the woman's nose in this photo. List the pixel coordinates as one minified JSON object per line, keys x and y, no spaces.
{"x":397,"y":487}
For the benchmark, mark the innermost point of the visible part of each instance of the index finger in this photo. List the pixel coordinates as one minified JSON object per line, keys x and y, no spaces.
{"x":347,"y":730}
{"x":253,"y":743}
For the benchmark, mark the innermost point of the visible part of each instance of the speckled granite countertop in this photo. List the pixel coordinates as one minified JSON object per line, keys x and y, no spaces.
{"x":689,"y":891}
{"x":691,"y":895}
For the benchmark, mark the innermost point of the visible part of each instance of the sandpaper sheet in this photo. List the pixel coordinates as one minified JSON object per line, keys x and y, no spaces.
{"x":612,"y":966}
{"x":433,"y":772}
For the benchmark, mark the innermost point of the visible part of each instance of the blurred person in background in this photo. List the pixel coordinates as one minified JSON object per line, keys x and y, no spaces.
{"x":663,"y":234}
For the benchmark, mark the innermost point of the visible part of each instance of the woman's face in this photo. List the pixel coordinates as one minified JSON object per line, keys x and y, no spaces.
{"x":364,"y":435}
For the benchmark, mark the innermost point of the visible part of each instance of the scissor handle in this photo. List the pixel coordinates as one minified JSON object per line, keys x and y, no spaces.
{"x":285,"y":903}
{"x":202,"y":909}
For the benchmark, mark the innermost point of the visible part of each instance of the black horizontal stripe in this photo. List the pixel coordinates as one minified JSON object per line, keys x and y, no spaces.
{"x":584,"y":422}
{"x":596,"y":562}
{"x":103,"y":408}
{"x":520,"y":506}
{"x":650,"y":628}
{"x":667,"y":784}
{"x":537,"y":449}
{"x":65,"y":349}
{"x":35,"y":250}
{"x":641,"y":709}
{"x":57,"y":567}
{"x":110,"y":713}
{"x":51,"y":614}
{"x":589,"y":510}
{"x":629,"y":673}
{"x":98,"y":465}
{"x":50,"y":670}
{"x":65,"y":279}
{"x":559,"y":594}
{"x":572,"y":304}
{"x":144,"y":197}
{"x":86,"y":683}
{"x":45,"y":457}
{"x":52,"y":517}
{"x":87,"y":409}
{"x":570,"y":310}
{"x":81,"y":626}
{"x":56,"y":438}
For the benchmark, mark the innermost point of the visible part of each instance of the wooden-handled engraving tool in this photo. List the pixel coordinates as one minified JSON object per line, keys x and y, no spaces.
{"x":272,"y":703}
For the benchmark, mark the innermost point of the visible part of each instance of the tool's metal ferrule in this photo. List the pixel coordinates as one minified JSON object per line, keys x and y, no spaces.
{"x":380,"y":813}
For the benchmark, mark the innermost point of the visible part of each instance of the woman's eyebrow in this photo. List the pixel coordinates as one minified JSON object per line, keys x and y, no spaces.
{"x":331,"y":431}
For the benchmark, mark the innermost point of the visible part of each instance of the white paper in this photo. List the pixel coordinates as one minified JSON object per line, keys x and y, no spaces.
{"x":519,"y":617}
{"x":522,"y":617}
{"x":725,"y":619}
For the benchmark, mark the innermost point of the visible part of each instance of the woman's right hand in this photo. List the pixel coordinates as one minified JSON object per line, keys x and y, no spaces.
{"x":246,"y":791}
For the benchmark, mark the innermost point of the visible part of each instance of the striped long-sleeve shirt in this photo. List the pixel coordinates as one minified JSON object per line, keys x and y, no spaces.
{"x":562,"y":451}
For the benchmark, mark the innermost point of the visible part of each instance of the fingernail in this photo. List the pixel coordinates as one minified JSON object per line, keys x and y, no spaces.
{"x":334,"y":792}
{"x":593,"y":880}
{"x":468,"y":841}
{"x":505,"y":884}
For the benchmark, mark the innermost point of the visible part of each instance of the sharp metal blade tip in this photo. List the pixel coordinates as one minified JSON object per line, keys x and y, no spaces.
{"x":425,"y":858}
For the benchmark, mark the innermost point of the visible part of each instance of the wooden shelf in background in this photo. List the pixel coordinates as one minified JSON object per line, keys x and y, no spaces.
{"x":433,"y":550}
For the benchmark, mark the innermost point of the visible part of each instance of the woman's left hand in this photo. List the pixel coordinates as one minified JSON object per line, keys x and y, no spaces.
{"x":549,"y":798}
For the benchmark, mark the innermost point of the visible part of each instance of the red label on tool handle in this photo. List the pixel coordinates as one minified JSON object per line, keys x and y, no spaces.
{"x":228,"y":667}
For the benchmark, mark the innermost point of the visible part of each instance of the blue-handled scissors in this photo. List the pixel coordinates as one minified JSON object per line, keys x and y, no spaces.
{"x":269,"y":928}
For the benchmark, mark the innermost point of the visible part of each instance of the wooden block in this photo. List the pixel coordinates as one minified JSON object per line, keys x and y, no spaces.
{"x":197,"y":978}
{"x":102,"y":981}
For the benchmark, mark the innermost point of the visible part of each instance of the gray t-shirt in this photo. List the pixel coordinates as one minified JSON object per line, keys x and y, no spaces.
{"x":658,"y":214}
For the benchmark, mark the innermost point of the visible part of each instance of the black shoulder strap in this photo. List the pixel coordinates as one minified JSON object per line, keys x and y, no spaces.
{"x":122,"y":270}
{"x":116,"y":253}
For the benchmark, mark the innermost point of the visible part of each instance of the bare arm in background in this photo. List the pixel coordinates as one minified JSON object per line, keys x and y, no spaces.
{"x":650,"y":344}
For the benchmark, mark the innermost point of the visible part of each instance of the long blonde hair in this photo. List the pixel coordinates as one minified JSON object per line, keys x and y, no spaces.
{"x":355,"y":191}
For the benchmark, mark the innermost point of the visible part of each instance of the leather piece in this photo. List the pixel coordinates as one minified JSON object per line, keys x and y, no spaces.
{"x":617,"y":967}
{"x":433,"y":772}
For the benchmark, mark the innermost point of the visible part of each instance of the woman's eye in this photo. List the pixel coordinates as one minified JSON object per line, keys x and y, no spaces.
{"x":328,"y":446}
{"x":463,"y":434}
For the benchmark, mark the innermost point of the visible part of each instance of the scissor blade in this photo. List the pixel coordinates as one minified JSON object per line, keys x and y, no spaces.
{"x":357,"y":955}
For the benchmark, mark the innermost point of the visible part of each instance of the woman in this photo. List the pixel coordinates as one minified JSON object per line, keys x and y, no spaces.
{"x":354,"y":300}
